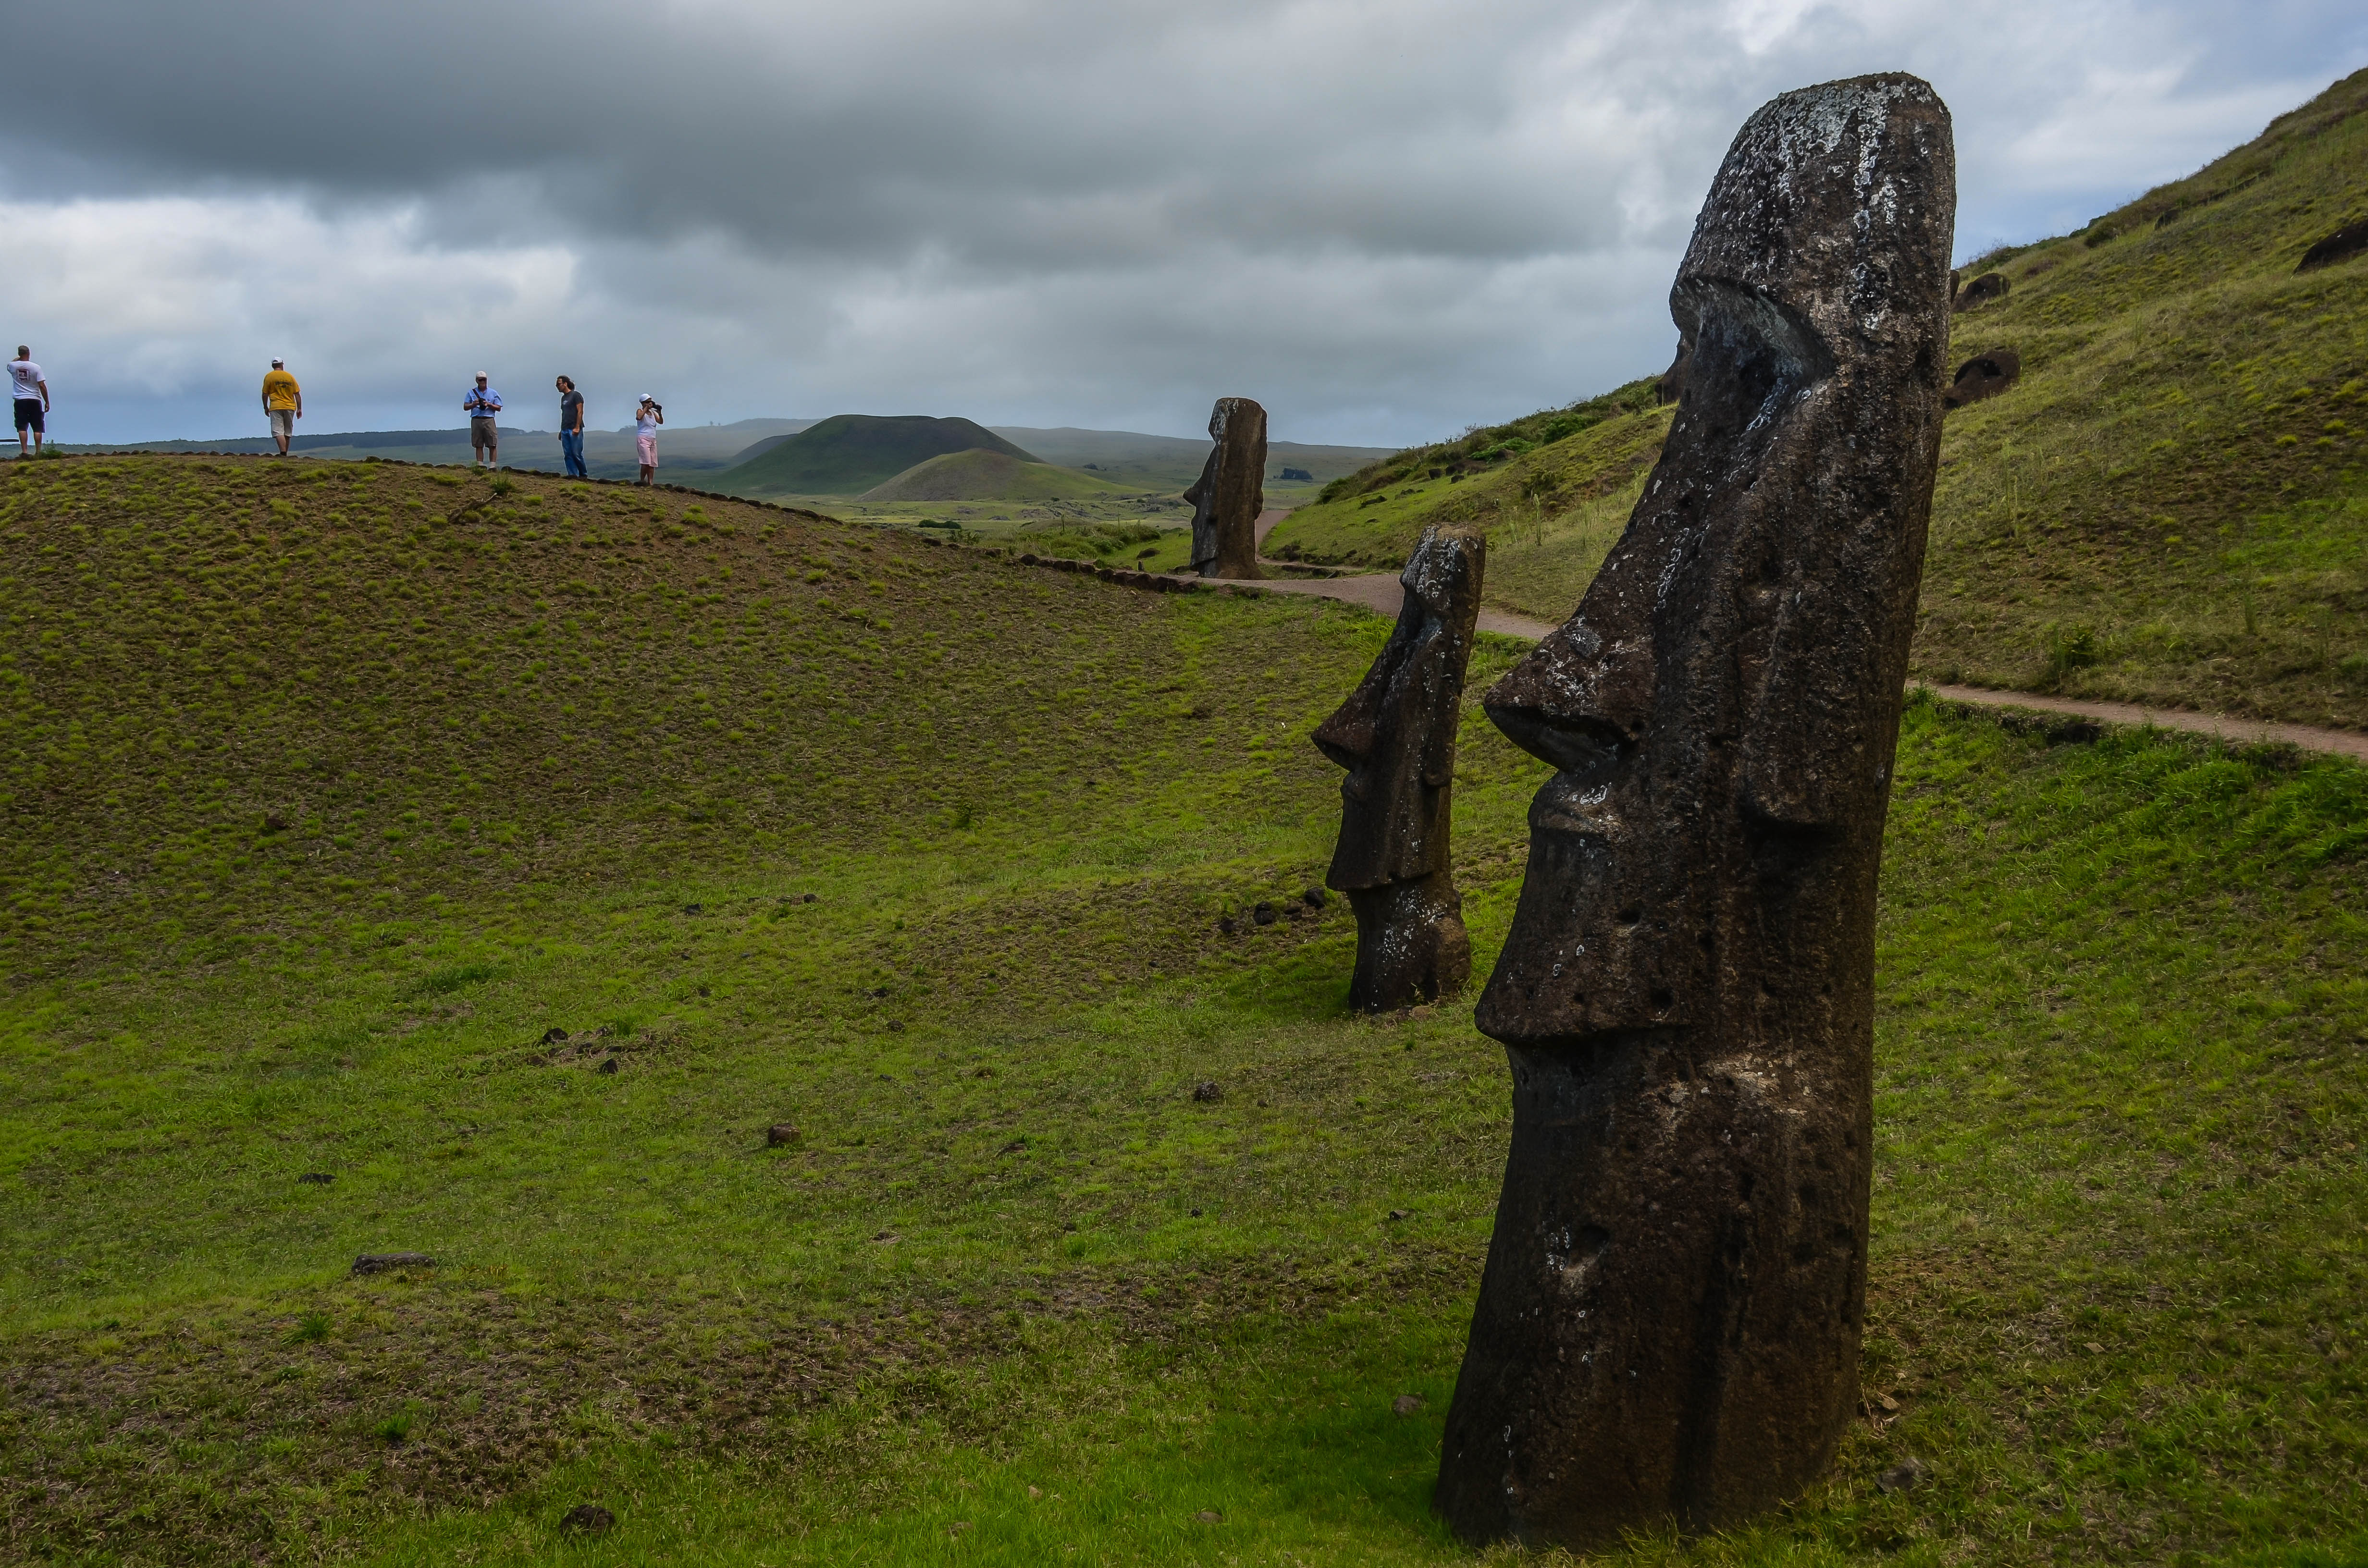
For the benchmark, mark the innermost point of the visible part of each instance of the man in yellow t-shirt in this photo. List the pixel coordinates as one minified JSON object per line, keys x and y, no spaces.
{"x":283,"y":404}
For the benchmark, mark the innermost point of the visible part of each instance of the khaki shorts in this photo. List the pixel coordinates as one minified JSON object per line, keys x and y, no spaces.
{"x":283,"y":421}
{"x":482,"y":434}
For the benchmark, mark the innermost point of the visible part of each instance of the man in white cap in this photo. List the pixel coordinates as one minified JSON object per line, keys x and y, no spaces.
{"x":484,"y":405}
{"x":283,"y":402}
{"x":647,"y":417}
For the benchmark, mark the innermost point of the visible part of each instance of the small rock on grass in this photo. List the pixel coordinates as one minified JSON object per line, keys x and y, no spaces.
{"x":1408,"y":1403}
{"x":1901,"y":1476}
{"x":1207,"y":1094}
{"x":1264,"y":914}
{"x":554,"y":1036}
{"x":781,"y":1133}
{"x":608,"y":1065}
{"x":587,"y":1518}
{"x":387,"y":1262}
{"x":315,"y":1178}
{"x":1209,"y":1517}
{"x":1314,"y":898}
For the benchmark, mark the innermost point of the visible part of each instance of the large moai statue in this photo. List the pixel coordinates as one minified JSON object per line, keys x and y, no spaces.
{"x":1396,"y":737}
{"x":1669,"y":1322}
{"x":1230,"y":493}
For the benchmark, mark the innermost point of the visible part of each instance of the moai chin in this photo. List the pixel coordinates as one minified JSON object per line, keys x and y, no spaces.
{"x":1669,"y":1320}
{"x":1230,"y":493}
{"x":1396,"y":737}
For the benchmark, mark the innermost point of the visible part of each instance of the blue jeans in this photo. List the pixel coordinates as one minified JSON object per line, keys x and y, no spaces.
{"x":570,"y":450}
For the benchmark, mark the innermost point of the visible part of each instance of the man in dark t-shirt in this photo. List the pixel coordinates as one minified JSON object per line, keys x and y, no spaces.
{"x":570,"y":429}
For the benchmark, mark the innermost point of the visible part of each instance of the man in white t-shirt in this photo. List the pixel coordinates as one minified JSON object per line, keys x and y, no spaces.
{"x":32,"y":395}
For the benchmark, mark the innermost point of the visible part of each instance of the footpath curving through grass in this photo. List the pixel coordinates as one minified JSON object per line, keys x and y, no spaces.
{"x":925,"y":855}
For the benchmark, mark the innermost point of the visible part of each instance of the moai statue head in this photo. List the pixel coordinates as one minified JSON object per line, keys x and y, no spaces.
{"x":1670,"y":1322}
{"x":1396,"y":737}
{"x":1230,"y":493}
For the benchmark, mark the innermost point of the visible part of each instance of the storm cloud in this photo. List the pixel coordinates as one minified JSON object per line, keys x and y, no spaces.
{"x":1383,"y":220}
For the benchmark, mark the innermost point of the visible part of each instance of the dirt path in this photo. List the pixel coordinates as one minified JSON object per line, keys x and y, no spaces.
{"x":1380,"y":592}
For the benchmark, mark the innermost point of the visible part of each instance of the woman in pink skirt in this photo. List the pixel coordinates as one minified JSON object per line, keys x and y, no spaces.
{"x":646,"y":420}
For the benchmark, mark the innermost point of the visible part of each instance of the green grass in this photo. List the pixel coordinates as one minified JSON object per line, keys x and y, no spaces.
{"x":979,"y":475}
{"x":2120,"y":1091}
{"x":849,"y":453}
{"x":2174,"y":489}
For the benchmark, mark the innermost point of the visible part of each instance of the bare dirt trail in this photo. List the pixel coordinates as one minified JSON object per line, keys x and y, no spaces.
{"x":1379,"y":592}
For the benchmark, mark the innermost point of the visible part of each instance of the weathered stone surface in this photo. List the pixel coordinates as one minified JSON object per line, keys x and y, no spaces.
{"x":1986,"y":374}
{"x":1981,"y":291}
{"x":1396,"y":737}
{"x":2348,"y":240}
{"x":1669,"y":1320}
{"x":1672,"y":384}
{"x":1230,"y":493}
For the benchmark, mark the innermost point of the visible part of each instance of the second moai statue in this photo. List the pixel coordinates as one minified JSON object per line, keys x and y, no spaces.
{"x":1396,"y":737}
{"x":1669,"y":1321}
{"x":1230,"y":493}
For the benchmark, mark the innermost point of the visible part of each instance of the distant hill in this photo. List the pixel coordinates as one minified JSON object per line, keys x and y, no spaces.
{"x":978,"y":474}
{"x":2167,"y":507}
{"x":686,"y":449}
{"x":1171,"y":462}
{"x":849,"y":453}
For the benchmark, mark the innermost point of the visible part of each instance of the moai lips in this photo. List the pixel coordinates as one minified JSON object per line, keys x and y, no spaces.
{"x":1396,"y":737}
{"x":1230,"y":493}
{"x":1669,"y":1320}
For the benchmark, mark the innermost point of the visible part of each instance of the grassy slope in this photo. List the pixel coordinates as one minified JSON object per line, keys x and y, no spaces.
{"x":2168,"y":508}
{"x":978,"y":475}
{"x":848,"y":453}
{"x":1012,"y":1289}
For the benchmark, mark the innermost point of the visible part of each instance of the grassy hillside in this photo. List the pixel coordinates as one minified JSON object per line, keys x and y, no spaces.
{"x":513,"y":857}
{"x":1173,"y":462}
{"x":684,"y":450}
{"x":978,"y":475}
{"x":848,"y":453}
{"x":2168,"y":508}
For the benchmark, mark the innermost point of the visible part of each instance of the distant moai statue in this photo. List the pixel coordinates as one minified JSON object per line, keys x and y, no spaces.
{"x":1396,"y":737}
{"x":1230,"y":493}
{"x":1669,"y":1321}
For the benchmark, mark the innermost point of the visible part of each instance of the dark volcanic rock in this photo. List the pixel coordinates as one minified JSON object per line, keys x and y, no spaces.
{"x":1669,"y":1320}
{"x":781,"y":1133}
{"x":1263,"y":915}
{"x":2350,"y":240}
{"x":1986,"y":374}
{"x":1672,"y":384}
{"x":315,"y":1178}
{"x":1230,"y":493}
{"x":387,"y":1262}
{"x":1981,"y":291}
{"x":1207,"y":1094}
{"x":1396,"y":737}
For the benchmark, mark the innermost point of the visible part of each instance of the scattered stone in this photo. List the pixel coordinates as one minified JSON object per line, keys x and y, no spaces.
{"x":1316,"y":898}
{"x":274,"y":822}
{"x":387,"y":1262}
{"x":1230,"y":493}
{"x":1209,"y":1517}
{"x":1395,"y":734}
{"x":315,"y":1178}
{"x":1408,"y":1403}
{"x":1225,"y":923}
{"x":1264,"y":914}
{"x":1722,"y":713}
{"x":608,"y":1066}
{"x":1887,"y":1405}
{"x":1208,"y":1093}
{"x":2348,"y":240}
{"x":779,"y":1134}
{"x":693,"y":909}
{"x":554,"y":1036}
{"x":1397,"y":1214}
{"x":896,"y":1026}
{"x":1901,"y":1476}
{"x":808,"y":899}
{"x":1981,"y":291}
{"x":587,"y":1518}
{"x":1426,"y":1010}
{"x":1196,"y":1214}
{"x":1028,"y":559}
{"x":1015,"y":1146}
{"x":1986,"y":374}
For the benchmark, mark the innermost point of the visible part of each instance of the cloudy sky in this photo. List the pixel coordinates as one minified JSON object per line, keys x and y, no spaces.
{"x":1384,"y":219}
